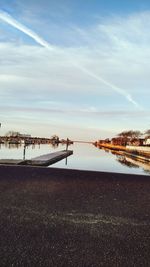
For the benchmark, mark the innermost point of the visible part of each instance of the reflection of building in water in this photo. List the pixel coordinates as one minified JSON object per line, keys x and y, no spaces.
{"x":123,"y":160}
{"x":12,"y":145}
{"x":54,"y":144}
{"x":132,"y":163}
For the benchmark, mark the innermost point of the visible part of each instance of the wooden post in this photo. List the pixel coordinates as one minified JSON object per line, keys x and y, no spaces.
{"x":24,"y":151}
{"x":67,"y":144}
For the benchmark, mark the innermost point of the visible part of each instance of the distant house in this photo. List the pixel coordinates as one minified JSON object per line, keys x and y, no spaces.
{"x":105,"y":141}
{"x":147,"y":141}
{"x":119,"y":141}
{"x":17,"y":134}
{"x":25,"y":135}
{"x":136,"y":142}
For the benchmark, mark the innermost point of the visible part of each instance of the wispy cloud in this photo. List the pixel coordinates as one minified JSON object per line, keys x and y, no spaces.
{"x":85,"y":83}
{"x":112,"y":86}
{"x":84,"y":112}
{"x":10,"y":20}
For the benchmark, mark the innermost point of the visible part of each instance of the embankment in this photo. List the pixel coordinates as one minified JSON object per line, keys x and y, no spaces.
{"x":140,"y":153}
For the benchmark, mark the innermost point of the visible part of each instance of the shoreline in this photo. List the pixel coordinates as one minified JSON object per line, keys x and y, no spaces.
{"x":140,"y":154}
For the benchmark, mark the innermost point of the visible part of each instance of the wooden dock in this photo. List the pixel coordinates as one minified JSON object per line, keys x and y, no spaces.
{"x":12,"y":161}
{"x":48,"y":159}
{"x":43,"y":160}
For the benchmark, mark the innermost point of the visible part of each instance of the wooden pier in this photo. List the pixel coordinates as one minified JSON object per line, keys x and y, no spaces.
{"x":12,"y":161}
{"x":43,"y":160}
{"x":48,"y":159}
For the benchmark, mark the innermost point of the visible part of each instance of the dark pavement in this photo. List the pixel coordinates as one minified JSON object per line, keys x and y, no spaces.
{"x":57,"y":217}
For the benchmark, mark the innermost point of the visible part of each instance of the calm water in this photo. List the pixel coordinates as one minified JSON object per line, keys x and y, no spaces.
{"x":85,"y":157}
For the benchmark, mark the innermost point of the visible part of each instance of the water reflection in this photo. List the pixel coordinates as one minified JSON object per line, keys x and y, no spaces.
{"x":128,"y":161}
{"x":10,"y":145}
{"x":85,"y":157}
{"x":34,"y":146}
{"x":132,"y":163}
{"x":123,"y":160}
{"x":23,"y":151}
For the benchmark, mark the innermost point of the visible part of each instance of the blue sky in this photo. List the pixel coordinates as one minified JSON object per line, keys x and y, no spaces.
{"x":79,"y":69}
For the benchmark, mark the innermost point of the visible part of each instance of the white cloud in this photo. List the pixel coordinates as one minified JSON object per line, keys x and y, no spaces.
{"x":10,"y":20}
{"x":70,"y":77}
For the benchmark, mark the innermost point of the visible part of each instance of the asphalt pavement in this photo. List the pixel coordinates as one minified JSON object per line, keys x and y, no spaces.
{"x":70,"y":218}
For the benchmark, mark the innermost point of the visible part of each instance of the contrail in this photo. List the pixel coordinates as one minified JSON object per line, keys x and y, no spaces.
{"x":13,"y":22}
{"x":114,"y":87}
{"x":10,"y":20}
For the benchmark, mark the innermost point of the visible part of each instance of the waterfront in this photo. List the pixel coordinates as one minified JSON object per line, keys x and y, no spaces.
{"x":85,"y":157}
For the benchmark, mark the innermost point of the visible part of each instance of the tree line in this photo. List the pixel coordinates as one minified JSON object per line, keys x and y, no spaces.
{"x":133,"y":134}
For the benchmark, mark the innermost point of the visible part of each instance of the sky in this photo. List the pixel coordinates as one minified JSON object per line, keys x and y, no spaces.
{"x":78,"y":69}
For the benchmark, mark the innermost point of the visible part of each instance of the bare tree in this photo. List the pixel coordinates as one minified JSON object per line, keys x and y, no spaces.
{"x":130,"y":134}
{"x":147,"y":132}
{"x":136,"y":134}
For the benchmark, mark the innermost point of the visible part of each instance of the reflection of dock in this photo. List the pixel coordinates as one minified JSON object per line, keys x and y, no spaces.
{"x":43,"y":160}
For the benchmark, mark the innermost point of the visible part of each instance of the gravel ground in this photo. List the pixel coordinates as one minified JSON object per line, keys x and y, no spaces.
{"x":70,"y":218}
